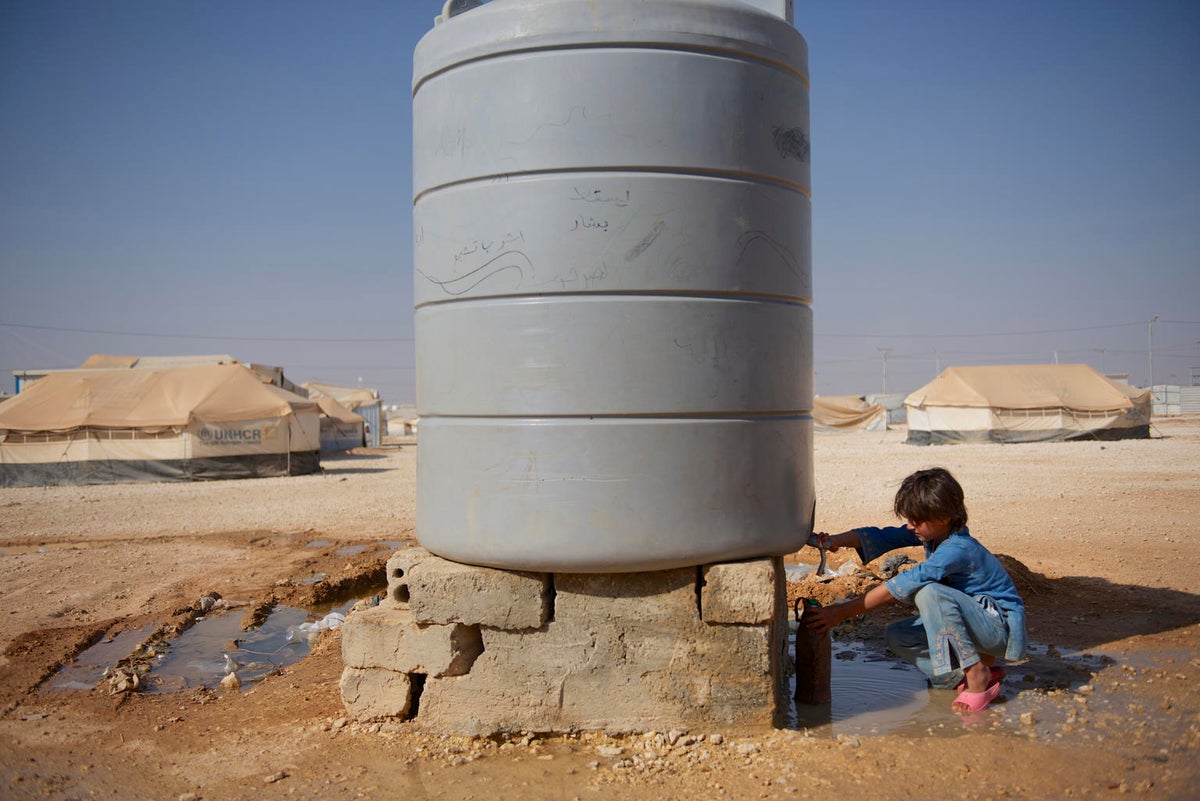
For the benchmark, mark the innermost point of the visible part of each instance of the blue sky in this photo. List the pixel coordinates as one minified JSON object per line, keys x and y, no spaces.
{"x":992,"y":183}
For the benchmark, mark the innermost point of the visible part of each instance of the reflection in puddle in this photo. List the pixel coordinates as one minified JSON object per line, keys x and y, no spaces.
{"x":873,"y":694}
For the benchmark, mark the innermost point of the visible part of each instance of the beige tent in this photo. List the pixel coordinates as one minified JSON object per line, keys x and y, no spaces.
{"x":1025,"y":403}
{"x":105,"y":361}
{"x":341,"y":429}
{"x":267,"y":373}
{"x":847,"y":413}
{"x":101,"y":426}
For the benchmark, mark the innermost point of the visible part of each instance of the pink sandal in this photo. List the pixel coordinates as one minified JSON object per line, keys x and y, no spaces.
{"x":998,"y":675}
{"x":977,"y":702}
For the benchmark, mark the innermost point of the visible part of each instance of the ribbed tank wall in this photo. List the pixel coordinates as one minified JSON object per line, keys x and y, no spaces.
{"x":612,"y":278}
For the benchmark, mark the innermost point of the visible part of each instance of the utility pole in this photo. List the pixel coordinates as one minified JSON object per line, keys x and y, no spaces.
{"x":1101,"y":351}
{"x":1152,"y":319}
{"x":885,"y":352}
{"x":937,"y":360}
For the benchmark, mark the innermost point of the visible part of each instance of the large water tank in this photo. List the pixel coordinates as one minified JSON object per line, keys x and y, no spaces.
{"x":612,"y":273}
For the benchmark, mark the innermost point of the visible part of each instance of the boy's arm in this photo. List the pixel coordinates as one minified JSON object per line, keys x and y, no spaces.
{"x":874,"y":542}
{"x":870,"y":542}
{"x":847,"y":539}
{"x":824,"y":618}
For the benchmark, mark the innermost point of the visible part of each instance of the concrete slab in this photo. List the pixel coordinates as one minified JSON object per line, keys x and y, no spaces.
{"x":390,"y":638}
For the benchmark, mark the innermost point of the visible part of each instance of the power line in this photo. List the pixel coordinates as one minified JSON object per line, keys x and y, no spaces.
{"x":224,"y":337}
{"x":989,"y":334}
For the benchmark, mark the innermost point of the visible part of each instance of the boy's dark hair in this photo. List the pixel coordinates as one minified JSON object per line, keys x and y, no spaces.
{"x":931,"y":494}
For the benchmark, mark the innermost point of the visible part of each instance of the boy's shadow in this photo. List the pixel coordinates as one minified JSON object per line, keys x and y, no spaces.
{"x":1087,"y":612}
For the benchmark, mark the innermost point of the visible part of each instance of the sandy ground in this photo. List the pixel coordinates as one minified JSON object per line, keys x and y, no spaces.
{"x":1099,"y":537}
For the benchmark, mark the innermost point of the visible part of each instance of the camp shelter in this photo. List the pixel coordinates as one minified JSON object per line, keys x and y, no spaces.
{"x":363,"y":402}
{"x":105,"y":361}
{"x":192,"y":423}
{"x":847,"y":413}
{"x":402,"y":419}
{"x":269,"y":374}
{"x":341,"y":429}
{"x":1025,"y":403}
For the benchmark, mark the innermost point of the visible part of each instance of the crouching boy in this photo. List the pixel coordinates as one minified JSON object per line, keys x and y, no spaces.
{"x":969,"y":611}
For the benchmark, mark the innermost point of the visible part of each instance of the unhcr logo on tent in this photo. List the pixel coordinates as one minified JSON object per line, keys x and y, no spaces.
{"x":231,"y":436}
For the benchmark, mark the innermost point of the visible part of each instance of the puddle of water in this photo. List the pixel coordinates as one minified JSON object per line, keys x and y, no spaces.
{"x":88,"y":668}
{"x":318,"y":544}
{"x":197,"y":658}
{"x":875,"y":693}
{"x":313,"y":579}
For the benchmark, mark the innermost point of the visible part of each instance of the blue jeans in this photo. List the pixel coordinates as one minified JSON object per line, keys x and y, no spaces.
{"x":950,"y":633}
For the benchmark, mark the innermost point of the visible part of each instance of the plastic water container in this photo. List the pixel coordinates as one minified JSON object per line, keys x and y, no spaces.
{"x":612,"y":270}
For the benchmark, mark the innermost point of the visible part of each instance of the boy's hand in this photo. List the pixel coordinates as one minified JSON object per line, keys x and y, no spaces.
{"x":822,"y":539}
{"x":823,"y":618}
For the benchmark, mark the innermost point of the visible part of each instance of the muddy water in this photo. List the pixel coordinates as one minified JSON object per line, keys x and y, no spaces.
{"x":873,"y":694}
{"x":200,"y":657}
{"x":88,"y":669}
{"x":1053,"y":693}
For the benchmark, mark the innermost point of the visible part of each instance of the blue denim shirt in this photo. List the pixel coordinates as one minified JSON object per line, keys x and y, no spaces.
{"x":961,"y":562}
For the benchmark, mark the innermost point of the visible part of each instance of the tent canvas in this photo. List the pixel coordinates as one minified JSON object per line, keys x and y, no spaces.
{"x":341,"y":429}
{"x":101,"y":426}
{"x":847,"y":413}
{"x":105,"y":361}
{"x":1025,"y":403}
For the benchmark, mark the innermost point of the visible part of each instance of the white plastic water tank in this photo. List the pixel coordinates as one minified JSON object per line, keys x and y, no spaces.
{"x":613,"y":298}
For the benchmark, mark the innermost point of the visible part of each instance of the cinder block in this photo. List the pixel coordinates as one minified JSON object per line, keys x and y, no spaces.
{"x":556,"y":649}
{"x":622,"y":652}
{"x":441,"y":591}
{"x":741,"y":592}
{"x":517,"y":683}
{"x":399,"y":566}
{"x":374,"y":693}
{"x":704,"y":675}
{"x":661,"y":597}
{"x":742,"y":680}
{"x":615,"y":700}
{"x":389,"y":638}
{"x":477,"y":705}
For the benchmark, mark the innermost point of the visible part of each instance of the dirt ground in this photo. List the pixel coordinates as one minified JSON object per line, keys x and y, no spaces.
{"x":1099,"y":537}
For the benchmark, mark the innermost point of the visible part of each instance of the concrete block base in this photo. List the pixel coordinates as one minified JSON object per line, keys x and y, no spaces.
{"x":478,"y":651}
